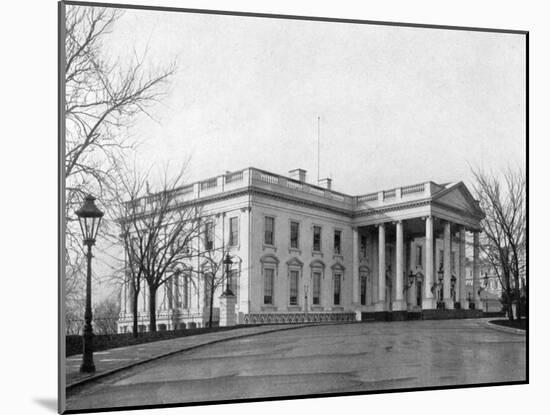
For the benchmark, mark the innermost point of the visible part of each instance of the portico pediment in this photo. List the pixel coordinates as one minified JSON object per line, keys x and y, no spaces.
{"x":457,"y":196}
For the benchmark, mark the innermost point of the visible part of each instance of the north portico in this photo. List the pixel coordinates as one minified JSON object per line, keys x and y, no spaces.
{"x":406,"y":239}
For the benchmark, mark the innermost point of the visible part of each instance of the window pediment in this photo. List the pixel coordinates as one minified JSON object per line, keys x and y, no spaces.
{"x":269,"y":259}
{"x":294,"y":262}
{"x":317,"y":263}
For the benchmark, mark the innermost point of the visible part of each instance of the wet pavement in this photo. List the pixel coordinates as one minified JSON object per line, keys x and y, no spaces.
{"x":317,"y":360}
{"x":111,"y":360}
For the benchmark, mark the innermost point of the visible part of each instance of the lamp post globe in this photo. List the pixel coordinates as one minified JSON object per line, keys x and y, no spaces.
{"x":89,"y":217}
{"x":227,"y":263}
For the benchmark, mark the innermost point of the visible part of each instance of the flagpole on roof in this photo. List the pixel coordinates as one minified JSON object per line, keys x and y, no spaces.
{"x":318,"y":148}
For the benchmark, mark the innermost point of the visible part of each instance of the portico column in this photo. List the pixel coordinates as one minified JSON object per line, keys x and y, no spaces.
{"x":428,"y":300}
{"x":447,"y":266}
{"x":355,"y":269}
{"x":381,"y":303}
{"x":374,"y":279}
{"x":399,"y":304}
{"x":462,"y":269}
{"x":475,"y":286}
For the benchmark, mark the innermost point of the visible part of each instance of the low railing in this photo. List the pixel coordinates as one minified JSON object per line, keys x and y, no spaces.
{"x":234,"y":177}
{"x":290,"y":318}
{"x":317,"y":191}
{"x":286,"y":182}
{"x":268,"y":178}
{"x":294,"y":185}
{"x":218,"y":185}
{"x":371,"y":197}
{"x":415,"y":188}
{"x":388,"y":194}
{"x":209,"y":184}
{"x":183,"y":191}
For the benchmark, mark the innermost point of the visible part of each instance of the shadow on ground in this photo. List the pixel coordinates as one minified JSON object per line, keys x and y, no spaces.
{"x":48,"y":403}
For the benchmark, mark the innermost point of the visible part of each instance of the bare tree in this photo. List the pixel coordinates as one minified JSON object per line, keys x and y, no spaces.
{"x":504,"y":228}
{"x":105,"y":315}
{"x":212,"y":271}
{"x":102,"y":97}
{"x":159,"y":229}
{"x":130,"y":187}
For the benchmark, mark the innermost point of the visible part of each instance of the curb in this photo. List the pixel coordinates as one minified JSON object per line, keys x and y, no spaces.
{"x":93,"y":378}
{"x":504,"y":329}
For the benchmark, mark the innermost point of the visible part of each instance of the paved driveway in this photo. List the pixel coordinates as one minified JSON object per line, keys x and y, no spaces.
{"x":316,"y":360}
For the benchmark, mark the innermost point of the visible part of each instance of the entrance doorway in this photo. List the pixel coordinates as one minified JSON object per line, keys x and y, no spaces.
{"x":418,"y":296}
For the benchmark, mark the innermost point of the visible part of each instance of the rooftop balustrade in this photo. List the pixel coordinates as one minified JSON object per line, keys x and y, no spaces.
{"x":286,"y":186}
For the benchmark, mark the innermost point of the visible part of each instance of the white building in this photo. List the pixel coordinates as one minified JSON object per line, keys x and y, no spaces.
{"x":307,"y":252}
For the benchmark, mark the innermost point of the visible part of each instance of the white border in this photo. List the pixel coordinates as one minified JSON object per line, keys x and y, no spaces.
{"x":29,"y":203}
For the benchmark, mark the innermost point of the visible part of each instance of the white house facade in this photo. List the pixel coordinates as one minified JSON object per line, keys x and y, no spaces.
{"x":304,"y":252}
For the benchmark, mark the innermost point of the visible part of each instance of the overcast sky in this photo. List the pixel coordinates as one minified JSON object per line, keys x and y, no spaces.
{"x":397,"y":105}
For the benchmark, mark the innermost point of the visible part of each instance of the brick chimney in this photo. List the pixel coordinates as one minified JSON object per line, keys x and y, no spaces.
{"x":298,"y":174}
{"x":326,"y":183}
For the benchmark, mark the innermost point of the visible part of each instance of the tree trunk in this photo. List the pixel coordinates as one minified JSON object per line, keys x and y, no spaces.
{"x":135,"y":328}
{"x":517,"y":295}
{"x":152,"y":308}
{"x":211,"y":302}
{"x":509,"y":302}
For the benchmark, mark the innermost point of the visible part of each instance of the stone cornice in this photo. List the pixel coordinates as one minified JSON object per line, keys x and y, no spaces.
{"x":391,"y":208}
{"x":350,"y":213}
{"x":299,"y":201}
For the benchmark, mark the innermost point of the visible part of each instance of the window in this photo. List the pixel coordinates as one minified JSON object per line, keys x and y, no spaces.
{"x":233,"y":231}
{"x":363,"y":243}
{"x":294,"y":234}
{"x":363,"y":278}
{"x":338,"y":242}
{"x":209,"y":235}
{"x":269,"y":227}
{"x":185,"y":292}
{"x":419,"y":255}
{"x":316,"y":288}
{"x":268,"y":286}
{"x":294,"y":287}
{"x":441,"y":259}
{"x":317,"y":238}
{"x":337,"y":287}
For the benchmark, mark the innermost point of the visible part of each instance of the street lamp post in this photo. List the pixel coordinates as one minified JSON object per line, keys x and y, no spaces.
{"x":89,"y":217}
{"x":453,"y":290}
{"x":485,"y":288}
{"x":305,"y":303}
{"x":439,"y":286}
{"x":227,"y":262}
